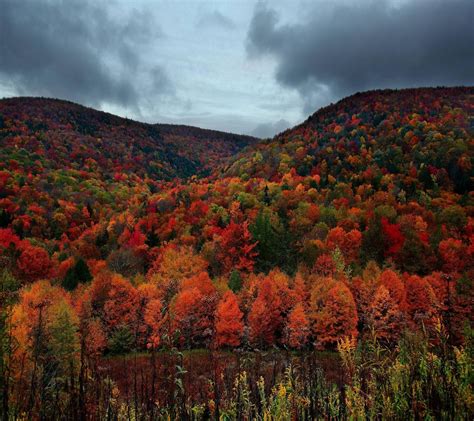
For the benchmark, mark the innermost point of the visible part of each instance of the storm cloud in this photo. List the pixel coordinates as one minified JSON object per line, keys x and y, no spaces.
{"x":343,"y":48}
{"x":77,"y":50}
{"x":229,"y":65}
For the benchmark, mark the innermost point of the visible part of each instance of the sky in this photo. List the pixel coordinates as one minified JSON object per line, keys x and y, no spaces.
{"x":242,"y":66}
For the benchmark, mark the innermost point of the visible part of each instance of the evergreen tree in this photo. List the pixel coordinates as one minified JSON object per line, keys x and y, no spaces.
{"x":121,"y":341}
{"x":373,"y":245}
{"x":79,"y":273}
{"x":5,"y":218}
{"x":152,"y":240}
{"x":235,"y":281}
{"x":273,"y":244}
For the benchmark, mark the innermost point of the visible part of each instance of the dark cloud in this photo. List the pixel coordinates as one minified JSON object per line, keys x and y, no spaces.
{"x":77,"y":50}
{"x":160,"y":81}
{"x":341,"y":49}
{"x":216,"y":18}
{"x":265,"y":130}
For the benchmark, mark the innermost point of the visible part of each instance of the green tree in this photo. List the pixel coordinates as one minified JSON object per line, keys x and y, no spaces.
{"x":64,"y":341}
{"x":235,"y":281}
{"x":79,"y":273}
{"x":121,"y":340}
{"x":274,"y":243}
{"x":373,"y":245}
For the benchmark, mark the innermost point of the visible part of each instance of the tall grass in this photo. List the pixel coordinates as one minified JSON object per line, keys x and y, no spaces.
{"x":420,"y":378}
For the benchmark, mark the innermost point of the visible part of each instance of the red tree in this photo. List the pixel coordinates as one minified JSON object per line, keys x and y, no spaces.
{"x":229,"y":324}
{"x":298,"y":328}
{"x":393,"y":237}
{"x":421,"y":302}
{"x":395,"y":286}
{"x":334,"y":316}
{"x":270,"y":309}
{"x":385,"y":316}
{"x":121,"y":303}
{"x":34,"y":263}
{"x":193,"y":310}
{"x":453,"y":254}
{"x":348,"y":242}
{"x":235,"y":247}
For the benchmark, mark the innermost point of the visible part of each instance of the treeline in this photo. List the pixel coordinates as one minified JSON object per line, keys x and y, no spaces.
{"x":421,"y":377}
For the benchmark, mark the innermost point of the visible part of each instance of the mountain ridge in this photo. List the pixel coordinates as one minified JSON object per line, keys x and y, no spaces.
{"x":365,"y":122}
{"x":166,"y":146}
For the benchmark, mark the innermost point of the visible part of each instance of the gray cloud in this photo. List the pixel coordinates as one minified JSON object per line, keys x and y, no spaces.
{"x":76,"y":50}
{"x":160,"y":81}
{"x":265,"y":130}
{"x":216,"y":18}
{"x":341,"y":49}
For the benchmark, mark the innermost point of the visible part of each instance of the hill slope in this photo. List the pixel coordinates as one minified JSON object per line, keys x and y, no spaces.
{"x":426,"y":132}
{"x":58,"y":158}
{"x":210,"y":148}
{"x":62,"y":134}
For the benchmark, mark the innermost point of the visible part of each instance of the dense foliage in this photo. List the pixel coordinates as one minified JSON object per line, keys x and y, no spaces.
{"x":61,"y":162}
{"x":357,"y":223}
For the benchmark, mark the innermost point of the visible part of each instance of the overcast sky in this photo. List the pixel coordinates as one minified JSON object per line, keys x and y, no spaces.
{"x":235,"y":65}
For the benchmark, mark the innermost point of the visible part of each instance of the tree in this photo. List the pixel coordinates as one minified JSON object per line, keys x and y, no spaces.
{"x":8,"y":293}
{"x":395,"y":287}
{"x":333,"y":316}
{"x":348,"y":242}
{"x":64,"y":342}
{"x":8,"y":238}
{"x":153,"y":320}
{"x":171,"y":267}
{"x":393,"y":237}
{"x":385,"y":316}
{"x":265,"y":318}
{"x":270,"y":309}
{"x":453,"y":254}
{"x":421,"y":302}
{"x":201,"y":281}
{"x":193,"y":317}
{"x":324,"y":265}
{"x":34,"y":263}
{"x":273,"y":243}
{"x":94,"y":337}
{"x":298,"y":327}
{"x":126,"y":261}
{"x":373,"y":243}
{"x":193,"y":310}
{"x":229,"y":324}
{"x":234,"y":248}
{"x":363,"y":290}
{"x":120,"y":304}
{"x":300,"y":289}
{"x":121,"y":340}
{"x":44,"y":325}
{"x":79,"y":273}
{"x":235,"y":281}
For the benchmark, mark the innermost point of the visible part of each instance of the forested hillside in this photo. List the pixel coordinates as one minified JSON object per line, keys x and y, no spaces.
{"x":56,"y":154}
{"x":356,"y":224}
{"x":209,"y":147}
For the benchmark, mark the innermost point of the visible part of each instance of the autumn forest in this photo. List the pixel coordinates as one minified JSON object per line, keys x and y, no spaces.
{"x":153,"y":271}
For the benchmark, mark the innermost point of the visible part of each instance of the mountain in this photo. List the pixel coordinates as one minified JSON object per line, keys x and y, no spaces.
{"x":46,"y":134}
{"x":57,"y":155}
{"x":425,"y":133}
{"x":211,"y":148}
